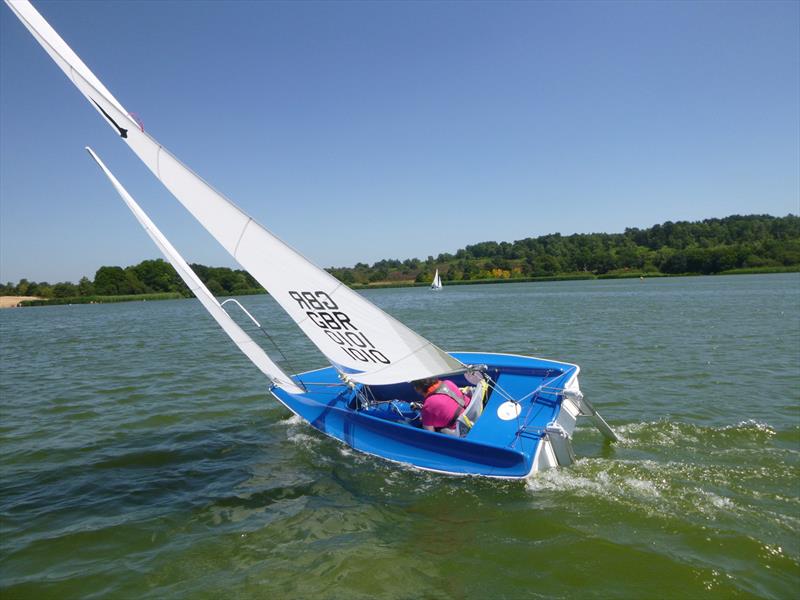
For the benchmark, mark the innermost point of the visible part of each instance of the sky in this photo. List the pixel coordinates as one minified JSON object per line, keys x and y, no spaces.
{"x":358,"y":131}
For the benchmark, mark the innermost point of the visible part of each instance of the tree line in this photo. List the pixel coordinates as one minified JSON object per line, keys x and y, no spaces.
{"x":703,"y":247}
{"x":758,"y":242}
{"x":148,"y":277}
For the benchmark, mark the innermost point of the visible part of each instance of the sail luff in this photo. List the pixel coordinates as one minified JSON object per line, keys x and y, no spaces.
{"x":239,"y":337}
{"x":355,"y":336}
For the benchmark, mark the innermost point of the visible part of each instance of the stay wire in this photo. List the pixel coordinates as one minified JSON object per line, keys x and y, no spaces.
{"x":286,"y":361}
{"x":504,"y":394}
{"x":284,"y":358}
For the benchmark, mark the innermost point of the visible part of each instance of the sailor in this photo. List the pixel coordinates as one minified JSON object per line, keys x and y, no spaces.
{"x":442,"y":406}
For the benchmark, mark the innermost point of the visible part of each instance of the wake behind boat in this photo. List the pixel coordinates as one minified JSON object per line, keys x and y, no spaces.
{"x":520,"y":413}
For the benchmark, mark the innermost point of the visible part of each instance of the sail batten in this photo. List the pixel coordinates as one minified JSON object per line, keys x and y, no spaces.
{"x":353,"y":334}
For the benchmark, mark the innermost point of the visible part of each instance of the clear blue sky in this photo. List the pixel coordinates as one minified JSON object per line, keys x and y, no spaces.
{"x":358,"y":131}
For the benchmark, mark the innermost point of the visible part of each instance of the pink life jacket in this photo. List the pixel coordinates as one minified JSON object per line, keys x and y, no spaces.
{"x":443,"y":389}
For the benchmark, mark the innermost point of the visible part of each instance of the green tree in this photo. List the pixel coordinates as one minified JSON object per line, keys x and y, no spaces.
{"x":378,"y":275}
{"x":215,"y":288}
{"x":156,"y":276}
{"x":111,"y":281}
{"x":65,"y":290}
{"x":85,"y":287}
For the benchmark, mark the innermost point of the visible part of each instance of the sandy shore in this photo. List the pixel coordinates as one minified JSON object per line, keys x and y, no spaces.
{"x":12,"y":301}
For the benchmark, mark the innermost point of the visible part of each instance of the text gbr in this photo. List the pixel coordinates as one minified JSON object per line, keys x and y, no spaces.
{"x":325,"y":314}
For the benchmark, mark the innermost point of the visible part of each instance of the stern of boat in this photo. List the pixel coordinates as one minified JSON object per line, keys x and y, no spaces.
{"x":555,"y":448}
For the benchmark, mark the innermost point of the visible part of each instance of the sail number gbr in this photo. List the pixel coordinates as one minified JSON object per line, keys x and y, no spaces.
{"x":337,"y":325}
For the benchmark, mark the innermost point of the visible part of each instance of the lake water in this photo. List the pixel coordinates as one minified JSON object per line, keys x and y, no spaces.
{"x":143,"y":458}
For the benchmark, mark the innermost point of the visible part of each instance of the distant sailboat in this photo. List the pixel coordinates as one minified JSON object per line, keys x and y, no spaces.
{"x":520,"y":417}
{"x":436,"y":284}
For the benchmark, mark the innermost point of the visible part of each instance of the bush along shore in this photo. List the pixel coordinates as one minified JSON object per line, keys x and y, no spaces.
{"x":733,"y":245}
{"x":22,"y":301}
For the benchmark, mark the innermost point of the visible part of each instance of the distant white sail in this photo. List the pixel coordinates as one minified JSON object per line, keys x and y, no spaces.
{"x":436,"y":284}
{"x":354,"y":335}
{"x":245,"y":343}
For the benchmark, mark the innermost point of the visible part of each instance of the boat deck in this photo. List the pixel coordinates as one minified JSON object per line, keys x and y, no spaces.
{"x":495,"y":446}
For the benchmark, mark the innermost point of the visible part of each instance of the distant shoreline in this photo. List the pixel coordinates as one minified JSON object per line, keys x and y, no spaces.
{"x":13,"y":301}
{"x":580,"y":277}
{"x":27,"y":301}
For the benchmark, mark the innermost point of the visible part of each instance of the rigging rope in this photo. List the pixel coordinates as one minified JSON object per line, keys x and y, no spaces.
{"x":505,"y":395}
{"x":291,"y":368}
{"x":286,"y":360}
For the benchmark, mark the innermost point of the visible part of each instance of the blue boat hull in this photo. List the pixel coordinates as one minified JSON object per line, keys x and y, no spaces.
{"x":498,"y":445}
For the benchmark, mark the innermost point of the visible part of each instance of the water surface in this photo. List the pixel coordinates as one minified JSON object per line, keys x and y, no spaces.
{"x":140,"y":455}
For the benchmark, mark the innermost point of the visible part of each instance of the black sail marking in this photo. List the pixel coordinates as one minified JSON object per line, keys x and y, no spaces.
{"x":122,"y":132}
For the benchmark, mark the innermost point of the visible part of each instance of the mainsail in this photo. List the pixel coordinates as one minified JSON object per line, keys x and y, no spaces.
{"x":354,"y":335}
{"x":245,"y":343}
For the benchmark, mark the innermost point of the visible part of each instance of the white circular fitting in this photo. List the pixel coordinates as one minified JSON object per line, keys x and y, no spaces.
{"x":508,"y":410}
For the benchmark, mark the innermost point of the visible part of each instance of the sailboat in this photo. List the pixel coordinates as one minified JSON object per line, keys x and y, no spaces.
{"x":521,"y":412}
{"x":436,"y":284}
